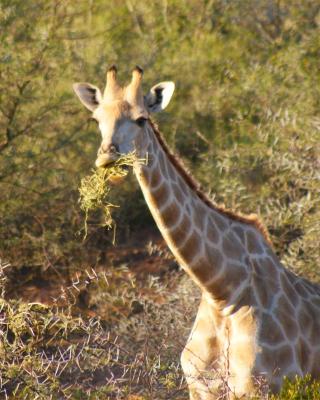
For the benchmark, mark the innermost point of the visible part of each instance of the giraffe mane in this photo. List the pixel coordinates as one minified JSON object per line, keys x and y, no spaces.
{"x":251,"y":219}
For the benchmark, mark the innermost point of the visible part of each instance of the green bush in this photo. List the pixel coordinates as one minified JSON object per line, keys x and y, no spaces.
{"x":299,"y":389}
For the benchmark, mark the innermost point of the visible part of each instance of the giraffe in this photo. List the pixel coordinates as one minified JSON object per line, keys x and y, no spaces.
{"x":256,"y":319}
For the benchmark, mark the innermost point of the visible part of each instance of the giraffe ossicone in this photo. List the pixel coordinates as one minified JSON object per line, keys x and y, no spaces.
{"x":257,"y":320}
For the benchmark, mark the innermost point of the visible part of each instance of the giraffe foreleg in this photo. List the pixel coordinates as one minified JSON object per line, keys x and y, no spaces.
{"x":200,"y":356}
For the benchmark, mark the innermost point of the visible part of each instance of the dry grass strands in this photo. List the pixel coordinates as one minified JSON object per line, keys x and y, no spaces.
{"x":95,"y":188}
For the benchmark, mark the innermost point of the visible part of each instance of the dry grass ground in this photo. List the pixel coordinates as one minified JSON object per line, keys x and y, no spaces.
{"x":112,"y":332}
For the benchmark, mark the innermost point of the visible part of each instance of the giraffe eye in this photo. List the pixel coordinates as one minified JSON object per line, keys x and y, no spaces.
{"x":140,"y":121}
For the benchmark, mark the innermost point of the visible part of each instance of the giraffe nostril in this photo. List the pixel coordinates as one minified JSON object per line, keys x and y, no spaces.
{"x":113,"y":148}
{"x":107,"y":148}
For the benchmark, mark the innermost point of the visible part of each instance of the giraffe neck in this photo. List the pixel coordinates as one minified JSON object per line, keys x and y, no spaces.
{"x":207,"y":243}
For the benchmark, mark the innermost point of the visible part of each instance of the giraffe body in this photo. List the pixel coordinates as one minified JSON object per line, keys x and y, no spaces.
{"x":257,"y":321}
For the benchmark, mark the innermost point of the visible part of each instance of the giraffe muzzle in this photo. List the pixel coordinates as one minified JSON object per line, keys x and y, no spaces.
{"x":106,"y":156}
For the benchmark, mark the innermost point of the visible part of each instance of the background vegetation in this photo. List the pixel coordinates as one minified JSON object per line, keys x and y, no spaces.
{"x":245,"y":119}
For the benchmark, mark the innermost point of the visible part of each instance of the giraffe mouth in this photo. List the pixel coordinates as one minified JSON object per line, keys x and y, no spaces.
{"x":117,"y":176}
{"x":115,"y":173}
{"x":106,"y":160}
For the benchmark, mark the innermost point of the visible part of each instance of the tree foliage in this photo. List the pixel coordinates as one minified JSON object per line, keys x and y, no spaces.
{"x":245,"y":116}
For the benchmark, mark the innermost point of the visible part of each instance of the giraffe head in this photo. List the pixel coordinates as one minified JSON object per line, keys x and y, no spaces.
{"x":122,"y":112}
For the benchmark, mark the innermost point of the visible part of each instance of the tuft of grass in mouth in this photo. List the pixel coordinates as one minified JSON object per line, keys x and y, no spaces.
{"x":95,"y":188}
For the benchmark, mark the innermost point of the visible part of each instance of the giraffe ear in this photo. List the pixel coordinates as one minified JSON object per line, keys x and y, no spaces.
{"x":159,"y":96}
{"x":89,"y":95}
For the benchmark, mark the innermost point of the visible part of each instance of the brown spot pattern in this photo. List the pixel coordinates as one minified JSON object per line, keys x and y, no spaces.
{"x":311,"y":313}
{"x":214,"y":256}
{"x":218,"y":289}
{"x":162,"y":165}
{"x":262,"y":290}
{"x":161,"y":195}
{"x":303,"y":354}
{"x":200,"y":217}
{"x":270,"y":332}
{"x":220,"y":221}
{"x":224,"y":286}
{"x":212,"y":232}
{"x":253,"y":244}
{"x":171,"y":213}
{"x":316,"y":301}
{"x":171,"y":171}
{"x":273,"y":257}
{"x":289,"y":290}
{"x":286,"y":306}
{"x":183,"y":187}
{"x":315,"y":329}
{"x":247,"y":299}
{"x":259,"y":270}
{"x":311,"y":287}
{"x":203,"y":270}
{"x":154,"y":146}
{"x":286,"y":314}
{"x":231,"y":247}
{"x":315,"y":369}
{"x":301,"y":289}
{"x":235,"y":274}
{"x":181,"y":231}
{"x":178,"y":194}
{"x":240,"y":233}
{"x":156,"y":179}
{"x":277,"y":360}
{"x":305,"y":322}
{"x":270,"y":269}
{"x":190,"y":247}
